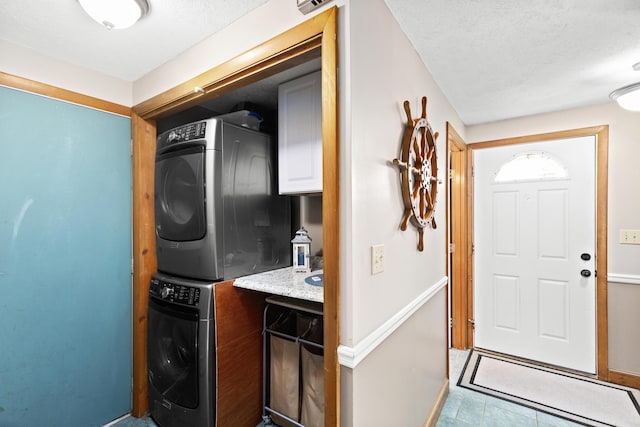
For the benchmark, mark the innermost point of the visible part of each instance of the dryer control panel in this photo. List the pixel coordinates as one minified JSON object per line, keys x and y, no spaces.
{"x":172,"y":292}
{"x":186,"y":133}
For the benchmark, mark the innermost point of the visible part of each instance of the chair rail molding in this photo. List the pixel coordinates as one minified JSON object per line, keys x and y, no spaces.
{"x":350,"y":357}
{"x":627,"y":279}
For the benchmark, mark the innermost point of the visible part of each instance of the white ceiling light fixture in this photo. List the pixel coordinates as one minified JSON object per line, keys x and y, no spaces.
{"x":628,"y":97}
{"x":115,"y":14}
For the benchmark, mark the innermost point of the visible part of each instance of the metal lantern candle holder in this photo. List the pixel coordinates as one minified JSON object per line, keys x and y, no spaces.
{"x":301,"y":247}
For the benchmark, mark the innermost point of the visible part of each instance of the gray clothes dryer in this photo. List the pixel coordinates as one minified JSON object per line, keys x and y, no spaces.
{"x":218,"y":214}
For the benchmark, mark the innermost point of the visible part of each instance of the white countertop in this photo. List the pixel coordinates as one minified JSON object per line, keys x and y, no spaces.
{"x":283,"y":281}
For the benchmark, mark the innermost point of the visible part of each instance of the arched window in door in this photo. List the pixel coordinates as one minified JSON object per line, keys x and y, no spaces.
{"x":530,"y":166}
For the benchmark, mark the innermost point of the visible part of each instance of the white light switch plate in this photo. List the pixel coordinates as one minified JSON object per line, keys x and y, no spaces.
{"x":377,"y":259}
{"x":630,"y":237}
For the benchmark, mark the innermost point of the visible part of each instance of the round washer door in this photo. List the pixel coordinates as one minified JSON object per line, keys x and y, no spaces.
{"x":172,"y":352}
{"x":179,"y":195}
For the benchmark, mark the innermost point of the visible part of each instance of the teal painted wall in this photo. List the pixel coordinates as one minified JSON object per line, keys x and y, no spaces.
{"x":65,"y":263}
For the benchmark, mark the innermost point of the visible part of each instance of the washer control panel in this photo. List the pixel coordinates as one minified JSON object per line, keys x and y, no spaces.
{"x":172,"y":292}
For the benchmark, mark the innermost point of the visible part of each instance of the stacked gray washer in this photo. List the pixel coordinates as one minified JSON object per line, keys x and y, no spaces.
{"x":181,"y":347}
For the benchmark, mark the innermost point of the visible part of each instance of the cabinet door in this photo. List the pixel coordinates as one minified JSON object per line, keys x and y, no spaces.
{"x":300,"y":135}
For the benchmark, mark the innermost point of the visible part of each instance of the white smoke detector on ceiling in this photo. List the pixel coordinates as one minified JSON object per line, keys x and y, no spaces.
{"x":306,"y":6}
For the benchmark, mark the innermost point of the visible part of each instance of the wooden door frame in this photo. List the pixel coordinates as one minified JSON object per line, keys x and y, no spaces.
{"x":457,"y":239}
{"x":316,"y":37}
{"x":602,"y":151}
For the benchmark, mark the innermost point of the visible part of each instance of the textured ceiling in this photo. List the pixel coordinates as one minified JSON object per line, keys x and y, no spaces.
{"x":61,"y":29}
{"x":493,"y":59}
{"x":498,"y":59}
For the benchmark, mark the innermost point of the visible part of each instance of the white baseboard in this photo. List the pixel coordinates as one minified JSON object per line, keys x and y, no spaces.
{"x":350,"y":357}
{"x":116,"y":421}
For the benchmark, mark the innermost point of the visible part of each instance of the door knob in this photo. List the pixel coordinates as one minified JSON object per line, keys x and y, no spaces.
{"x":585,"y":273}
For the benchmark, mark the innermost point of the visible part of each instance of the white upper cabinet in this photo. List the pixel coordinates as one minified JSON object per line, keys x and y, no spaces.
{"x":300,"y":135}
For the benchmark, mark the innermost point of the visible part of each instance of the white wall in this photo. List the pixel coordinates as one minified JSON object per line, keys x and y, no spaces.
{"x":26,"y":63}
{"x":397,"y":384}
{"x":384,"y":71}
{"x":624,"y":316}
{"x":379,"y":71}
{"x":624,"y":170}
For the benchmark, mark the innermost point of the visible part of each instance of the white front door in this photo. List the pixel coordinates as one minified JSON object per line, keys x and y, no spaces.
{"x":534,"y":251}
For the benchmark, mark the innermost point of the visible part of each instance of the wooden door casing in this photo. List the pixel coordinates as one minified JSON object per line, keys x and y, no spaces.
{"x":602,"y":151}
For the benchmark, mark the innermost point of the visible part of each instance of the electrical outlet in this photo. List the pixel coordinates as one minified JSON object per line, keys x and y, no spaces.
{"x":377,"y":259}
{"x":630,"y":237}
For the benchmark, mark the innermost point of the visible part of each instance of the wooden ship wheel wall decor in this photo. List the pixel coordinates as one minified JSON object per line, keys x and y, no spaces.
{"x":418,"y":172}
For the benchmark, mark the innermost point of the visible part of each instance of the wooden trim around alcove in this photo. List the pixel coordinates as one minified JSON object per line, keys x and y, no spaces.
{"x":456,"y":213}
{"x":271,"y":57}
{"x":316,"y":37}
{"x":143,"y":135}
{"x":32,"y":86}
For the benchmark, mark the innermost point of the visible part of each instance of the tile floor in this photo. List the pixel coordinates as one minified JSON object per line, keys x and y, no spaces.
{"x":466,"y":408}
{"x":463,"y":408}
{"x":134,"y":422}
